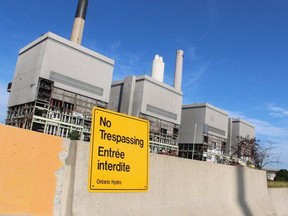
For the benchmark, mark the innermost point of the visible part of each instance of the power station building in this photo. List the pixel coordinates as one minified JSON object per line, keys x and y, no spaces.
{"x":149,"y":98}
{"x":203,"y":133}
{"x":56,"y":84}
{"x":238,"y":128}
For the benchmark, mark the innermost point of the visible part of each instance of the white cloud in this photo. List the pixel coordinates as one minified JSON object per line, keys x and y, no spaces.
{"x":235,"y":114}
{"x":192,"y":82}
{"x":277,"y":112}
{"x":263,"y":128}
{"x":268,"y":129}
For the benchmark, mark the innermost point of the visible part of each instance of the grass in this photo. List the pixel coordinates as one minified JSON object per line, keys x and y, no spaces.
{"x":277,"y":184}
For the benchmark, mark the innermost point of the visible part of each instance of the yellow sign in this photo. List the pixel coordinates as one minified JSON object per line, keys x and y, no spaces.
{"x":119,"y":153}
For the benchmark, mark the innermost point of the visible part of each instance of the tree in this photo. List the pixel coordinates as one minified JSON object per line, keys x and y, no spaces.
{"x":281,"y":175}
{"x":244,"y":148}
{"x":264,"y":154}
{"x":74,"y":135}
{"x":254,"y":151}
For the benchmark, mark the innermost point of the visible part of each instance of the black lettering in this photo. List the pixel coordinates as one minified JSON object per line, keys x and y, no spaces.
{"x":100,"y":151}
{"x":114,"y":137}
{"x":110,"y":153}
{"x":105,"y":122}
{"x":103,"y":134}
{"x":108,"y":136}
{"x":122,"y":155}
{"x":119,"y":167}
{"x":121,"y":139}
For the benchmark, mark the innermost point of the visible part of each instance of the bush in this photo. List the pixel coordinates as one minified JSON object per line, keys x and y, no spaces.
{"x":74,"y":135}
{"x":281,"y":175}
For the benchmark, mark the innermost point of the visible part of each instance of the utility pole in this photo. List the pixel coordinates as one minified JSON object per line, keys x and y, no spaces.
{"x":194,"y":139}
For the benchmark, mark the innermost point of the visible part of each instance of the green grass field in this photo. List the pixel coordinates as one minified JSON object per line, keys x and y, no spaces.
{"x":274,"y":184}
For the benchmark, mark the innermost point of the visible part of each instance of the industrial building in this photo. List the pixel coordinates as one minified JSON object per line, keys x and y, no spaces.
{"x":56,"y":84}
{"x":238,"y":128}
{"x":203,"y":133}
{"x":149,"y":98}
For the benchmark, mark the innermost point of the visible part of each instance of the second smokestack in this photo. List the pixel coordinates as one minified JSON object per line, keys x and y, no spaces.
{"x":178,"y":69}
{"x":79,"y":21}
{"x":158,"y":68}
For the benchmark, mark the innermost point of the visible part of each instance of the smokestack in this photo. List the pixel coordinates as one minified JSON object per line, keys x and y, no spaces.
{"x":158,"y":68}
{"x":79,"y":21}
{"x":178,"y":69}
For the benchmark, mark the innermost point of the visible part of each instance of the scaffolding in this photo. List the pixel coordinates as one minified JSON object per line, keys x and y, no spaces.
{"x":212,"y":149}
{"x":163,"y":135}
{"x":55,"y":111}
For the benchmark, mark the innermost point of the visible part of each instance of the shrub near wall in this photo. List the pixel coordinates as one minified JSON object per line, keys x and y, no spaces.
{"x":281,"y":175}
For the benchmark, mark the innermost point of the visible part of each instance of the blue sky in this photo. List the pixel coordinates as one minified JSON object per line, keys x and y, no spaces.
{"x":235,"y":51}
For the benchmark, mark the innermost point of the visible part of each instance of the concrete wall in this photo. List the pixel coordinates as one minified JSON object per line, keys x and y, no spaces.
{"x":28,"y":165}
{"x":32,"y":182}
{"x":177,"y":187}
{"x":279,"y":198}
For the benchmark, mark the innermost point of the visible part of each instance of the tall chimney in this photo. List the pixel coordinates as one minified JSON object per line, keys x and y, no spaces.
{"x":79,"y":21}
{"x":158,"y":68}
{"x":178,"y":69}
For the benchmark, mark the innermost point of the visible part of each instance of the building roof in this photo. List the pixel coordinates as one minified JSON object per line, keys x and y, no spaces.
{"x":238,"y":120}
{"x":203,"y":105}
{"x":152,"y":80}
{"x":63,"y":41}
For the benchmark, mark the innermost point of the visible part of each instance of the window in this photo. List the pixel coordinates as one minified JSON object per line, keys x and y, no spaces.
{"x":223,"y":146}
{"x":185,"y":146}
{"x":163,"y":131}
{"x":206,"y":139}
{"x":213,"y":145}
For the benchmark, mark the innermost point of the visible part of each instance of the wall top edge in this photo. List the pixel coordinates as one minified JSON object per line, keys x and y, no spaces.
{"x":63,"y":41}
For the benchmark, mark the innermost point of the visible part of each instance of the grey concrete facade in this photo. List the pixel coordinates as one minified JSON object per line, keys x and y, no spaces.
{"x":238,"y":128}
{"x":145,"y":97}
{"x":55,"y":86}
{"x":55,"y":58}
{"x":203,"y":132}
